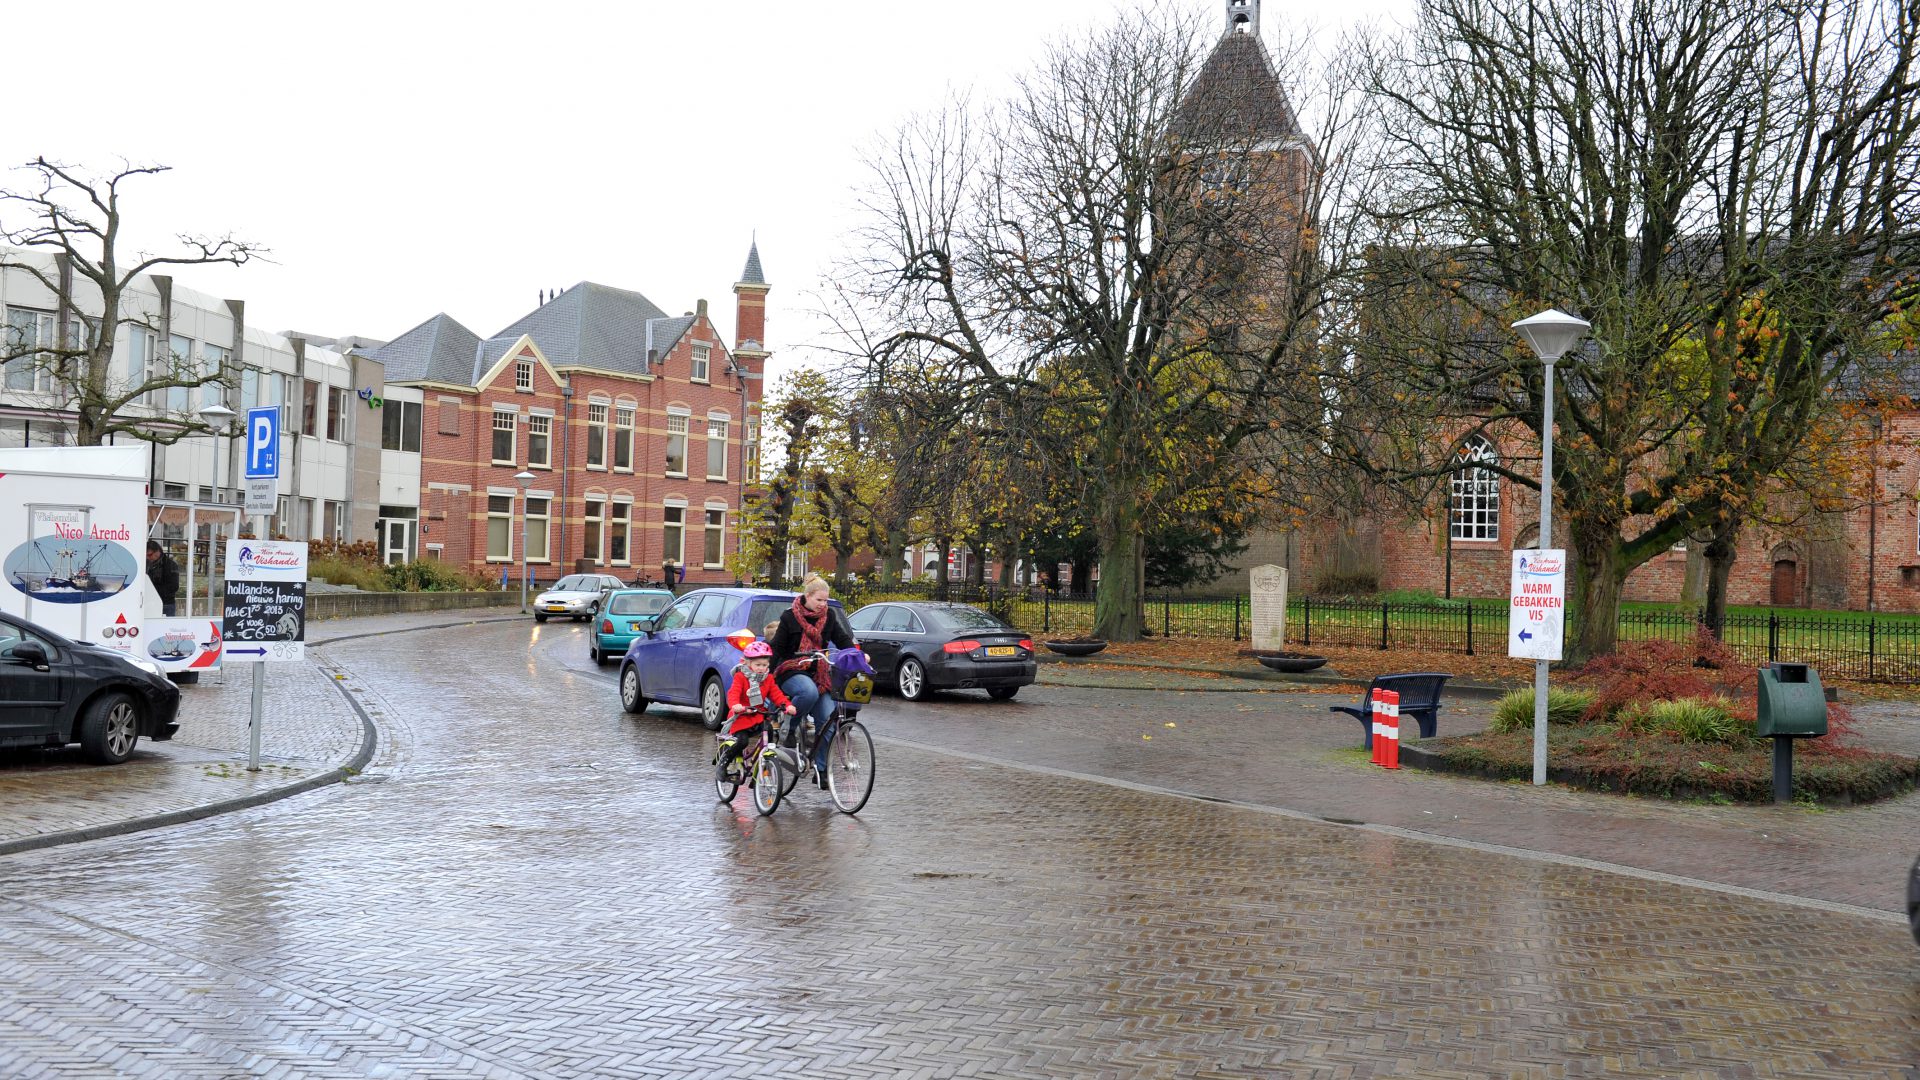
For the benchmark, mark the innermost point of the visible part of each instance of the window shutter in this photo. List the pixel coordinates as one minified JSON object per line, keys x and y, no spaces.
{"x":449,"y":417}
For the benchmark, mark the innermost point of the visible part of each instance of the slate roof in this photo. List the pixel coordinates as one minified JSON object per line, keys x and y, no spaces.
{"x":752,"y":274}
{"x":589,"y":325}
{"x":1236,"y":97}
{"x":438,"y":350}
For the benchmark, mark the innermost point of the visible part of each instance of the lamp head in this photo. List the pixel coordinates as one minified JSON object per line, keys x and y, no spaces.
{"x":1552,"y":332}
{"x":216,"y":415}
{"x":523,"y":478}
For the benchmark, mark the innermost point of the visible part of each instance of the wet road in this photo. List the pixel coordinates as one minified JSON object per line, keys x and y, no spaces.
{"x":530,"y":883}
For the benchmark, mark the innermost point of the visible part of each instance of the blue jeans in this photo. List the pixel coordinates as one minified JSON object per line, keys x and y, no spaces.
{"x":809,"y":701}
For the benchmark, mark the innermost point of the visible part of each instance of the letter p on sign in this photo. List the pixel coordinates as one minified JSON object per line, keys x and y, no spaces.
{"x":263,"y":442}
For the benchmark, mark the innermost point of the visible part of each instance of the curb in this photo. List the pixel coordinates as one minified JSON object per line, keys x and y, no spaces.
{"x":369,"y":740}
{"x":1465,"y":689}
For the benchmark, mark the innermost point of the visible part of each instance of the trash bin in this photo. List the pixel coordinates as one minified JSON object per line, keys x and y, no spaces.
{"x":1792,"y":701}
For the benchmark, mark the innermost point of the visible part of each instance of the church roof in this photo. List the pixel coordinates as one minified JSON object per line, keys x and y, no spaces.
{"x":752,"y":275}
{"x":1237,"y":97}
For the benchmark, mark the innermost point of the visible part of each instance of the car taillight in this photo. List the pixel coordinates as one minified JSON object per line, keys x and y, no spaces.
{"x":606,"y":626}
{"x":1026,"y":643}
{"x":959,"y":646}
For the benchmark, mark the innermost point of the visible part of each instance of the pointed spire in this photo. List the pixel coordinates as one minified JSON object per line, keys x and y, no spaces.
{"x":752,"y":274}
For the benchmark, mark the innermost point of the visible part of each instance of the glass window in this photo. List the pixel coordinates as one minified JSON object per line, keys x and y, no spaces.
{"x":140,"y":350}
{"x":713,"y":610}
{"x":702,"y":362}
{"x":898,"y":620}
{"x":572,"y":582}
{"x":590,"y":540}
{"x":618,"y":523}
{"x":596,"y":436}
{"x":28,"y":329}
{"x":523,"y":375}
{"x":867,"y":618}
{"x":400,"y":426}
{"x":752,"y":463}
{"x":764,"y":612}
{"x":716,"y":536}
{"x":676,"y":446}
{"x":310,"y":408}
{"x":339,"y":429}
{"x":674,"y":535}
{"x":249,"y":390}
{"x":503,"y":436}
{"x":499,"y":528}
{"x":539,"y":441}
{"x":968,"y":618}
{"x":680,"y":613}
{"x":1473,"y":511}
{"x":215,"y":360}
{"x":716,"y":449}
{"x":637,"y":603}
{"x":623,"y":439}
{"x":537,"y":510}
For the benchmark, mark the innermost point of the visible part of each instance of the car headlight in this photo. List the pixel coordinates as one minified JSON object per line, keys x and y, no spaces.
{"x":147,"y":666}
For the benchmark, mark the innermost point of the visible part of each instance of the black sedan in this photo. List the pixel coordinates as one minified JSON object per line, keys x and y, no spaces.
{"x":54,"y":691}
{"x":922,"y":646}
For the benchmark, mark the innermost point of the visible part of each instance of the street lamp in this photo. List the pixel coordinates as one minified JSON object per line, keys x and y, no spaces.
{"x":1551,"y":333}
{"x":523,"y":478}
{"x":216,"y":416}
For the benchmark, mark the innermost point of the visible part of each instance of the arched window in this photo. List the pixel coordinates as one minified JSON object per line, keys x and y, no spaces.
{"x":1473,"y":512}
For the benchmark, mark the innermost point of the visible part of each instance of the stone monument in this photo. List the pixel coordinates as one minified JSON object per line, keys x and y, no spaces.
{"x":1269,"y":607}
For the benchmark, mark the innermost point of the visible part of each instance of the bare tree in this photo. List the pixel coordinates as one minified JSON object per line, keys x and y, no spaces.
{"x":76,"y":218}
{"x":1726,"y":190}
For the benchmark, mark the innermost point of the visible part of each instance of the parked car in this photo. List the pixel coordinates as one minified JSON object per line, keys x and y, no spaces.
{"x":624,"y":614}
{"x":921,"y":646}
{"x":54,"y":691}
{"x":1913,"y":900}
{"x":686,"y":659}
{"x":576,"y":596}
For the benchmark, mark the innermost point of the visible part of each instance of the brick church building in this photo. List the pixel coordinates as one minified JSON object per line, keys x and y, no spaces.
{"x":615,"y":437}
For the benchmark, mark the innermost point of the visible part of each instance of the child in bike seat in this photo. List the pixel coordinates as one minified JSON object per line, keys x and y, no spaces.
{"x":753,"y":689}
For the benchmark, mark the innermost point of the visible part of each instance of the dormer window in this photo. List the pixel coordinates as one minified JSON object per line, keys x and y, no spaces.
{"x":702,"y":360}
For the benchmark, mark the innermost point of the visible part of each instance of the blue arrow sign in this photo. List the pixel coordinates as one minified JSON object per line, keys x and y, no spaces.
{"x":246,"y":652}
{"x":1525,"y":636}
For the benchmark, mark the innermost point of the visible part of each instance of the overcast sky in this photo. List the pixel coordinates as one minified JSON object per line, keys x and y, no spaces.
{"x":405,"y":158}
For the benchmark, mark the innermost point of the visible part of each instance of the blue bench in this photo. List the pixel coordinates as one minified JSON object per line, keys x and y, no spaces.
{"x":1419,"y":698}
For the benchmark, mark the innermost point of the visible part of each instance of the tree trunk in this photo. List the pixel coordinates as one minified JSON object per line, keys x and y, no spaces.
{"x":893,"y":559}
{"x":1719,"y":554}
{"x":1116,"y":605}
{"x":940,"y":568}
{"x":1693,"y":587}
{"x":1596,"y":592}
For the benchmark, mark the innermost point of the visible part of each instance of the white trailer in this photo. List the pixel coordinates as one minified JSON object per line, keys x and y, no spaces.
{"x":73,"y":532}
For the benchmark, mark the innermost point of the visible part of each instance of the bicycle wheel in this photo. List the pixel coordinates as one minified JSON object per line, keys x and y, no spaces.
{"x":767,"y":788}
{"x":790,"y":775}
{"x":726,"y":783}
{"x":850,"y":767}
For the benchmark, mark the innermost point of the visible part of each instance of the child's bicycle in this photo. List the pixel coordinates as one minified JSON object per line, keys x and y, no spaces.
{"x":732,"y":770}
{"x":849,"y":768}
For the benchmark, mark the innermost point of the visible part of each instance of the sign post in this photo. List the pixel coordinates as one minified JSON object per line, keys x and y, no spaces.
{"x":1537,"y":629}
{"x":266,"y":608}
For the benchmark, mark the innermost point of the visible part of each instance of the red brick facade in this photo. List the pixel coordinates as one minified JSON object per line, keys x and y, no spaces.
{"x":591,"y":506}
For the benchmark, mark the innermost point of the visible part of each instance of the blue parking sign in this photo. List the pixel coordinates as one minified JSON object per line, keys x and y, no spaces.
{"x":263,"y":442}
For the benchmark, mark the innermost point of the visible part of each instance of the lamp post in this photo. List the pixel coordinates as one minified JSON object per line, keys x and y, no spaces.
{"x":1551,"y":333}
{"x":523,"y":478}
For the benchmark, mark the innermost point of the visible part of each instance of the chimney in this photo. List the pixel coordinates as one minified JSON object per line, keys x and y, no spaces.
{"x":700,"y":308}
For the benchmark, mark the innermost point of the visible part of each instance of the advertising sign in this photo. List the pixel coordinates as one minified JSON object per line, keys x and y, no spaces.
{"x":1537,"y":604}
{"x":266,"y":610}
{"x":182,"y":644}
{"x":72,"y":526}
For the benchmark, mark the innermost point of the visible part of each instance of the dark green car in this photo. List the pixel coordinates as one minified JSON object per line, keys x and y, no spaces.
{"x":625,"y":614}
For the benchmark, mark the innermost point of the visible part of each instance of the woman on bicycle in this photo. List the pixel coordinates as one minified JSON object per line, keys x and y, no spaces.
{"x":809,"y":626}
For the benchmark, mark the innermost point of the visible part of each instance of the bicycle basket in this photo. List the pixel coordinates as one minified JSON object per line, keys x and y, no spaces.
{"x":858,"y":689}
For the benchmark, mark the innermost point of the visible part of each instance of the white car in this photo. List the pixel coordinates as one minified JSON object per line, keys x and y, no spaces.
{"x":576,"y":596}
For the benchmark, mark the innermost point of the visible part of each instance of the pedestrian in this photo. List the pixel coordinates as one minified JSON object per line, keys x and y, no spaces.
{"x":810,"y":625}
{"x":165,"y":575}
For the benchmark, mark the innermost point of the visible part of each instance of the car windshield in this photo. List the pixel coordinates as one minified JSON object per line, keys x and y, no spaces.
{"x":969,"y":618}
{"x":575,"y":583}
{"x":638,"y":604}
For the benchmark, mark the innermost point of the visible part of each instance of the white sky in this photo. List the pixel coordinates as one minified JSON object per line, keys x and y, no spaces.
{"x":405,"y":158}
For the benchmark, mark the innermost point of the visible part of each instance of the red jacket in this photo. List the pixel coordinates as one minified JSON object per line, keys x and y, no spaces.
{"x":737,"y":696}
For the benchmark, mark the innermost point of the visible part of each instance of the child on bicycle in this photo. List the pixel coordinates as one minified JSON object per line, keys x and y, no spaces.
{"x":750,"y":700}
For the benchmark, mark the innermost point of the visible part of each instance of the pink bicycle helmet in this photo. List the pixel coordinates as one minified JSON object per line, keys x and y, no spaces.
{"x":757,"y":650}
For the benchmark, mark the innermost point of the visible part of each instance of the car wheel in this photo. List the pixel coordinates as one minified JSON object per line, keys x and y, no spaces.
{"x":713,"y":703}
{"x":912,"y":678}
{"x":539,"y":616}
{"x":594,"y":654}
{"x":631,"y":697}
{"x":109,"y":728}
{"x":1002,"y":693}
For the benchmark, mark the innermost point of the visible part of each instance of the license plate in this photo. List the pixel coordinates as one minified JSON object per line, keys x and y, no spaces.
{"x":1002,"y":650}
{"x":556,"y":607}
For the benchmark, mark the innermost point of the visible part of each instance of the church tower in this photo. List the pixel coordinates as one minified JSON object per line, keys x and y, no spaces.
{"x":750,"y":313}
{"x":1243,"y":17}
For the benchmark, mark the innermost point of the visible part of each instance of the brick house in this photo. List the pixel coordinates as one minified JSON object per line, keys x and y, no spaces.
{"x":640,"y":432}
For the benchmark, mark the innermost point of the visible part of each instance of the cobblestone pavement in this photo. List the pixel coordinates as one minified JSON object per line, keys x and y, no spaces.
{"x":529,"y":883}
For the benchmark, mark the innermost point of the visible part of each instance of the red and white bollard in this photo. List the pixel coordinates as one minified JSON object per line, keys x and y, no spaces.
{"x":1378,"y":743}
{"x":1390,"y":720}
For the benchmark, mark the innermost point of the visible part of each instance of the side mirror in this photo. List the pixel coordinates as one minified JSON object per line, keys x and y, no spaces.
{"x":31,"y":652}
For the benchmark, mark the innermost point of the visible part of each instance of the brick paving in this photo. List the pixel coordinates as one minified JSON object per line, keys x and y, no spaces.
{"x":530,"y":883}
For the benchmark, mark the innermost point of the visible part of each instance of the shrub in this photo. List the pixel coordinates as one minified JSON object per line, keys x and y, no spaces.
{"x":345,"y":571}
{"x":1694,"y":720}
{"x":1514,"y":712}
{"x":430,"y":576}
{"x":1648,"y":671}
{"x":1358,"y":583}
